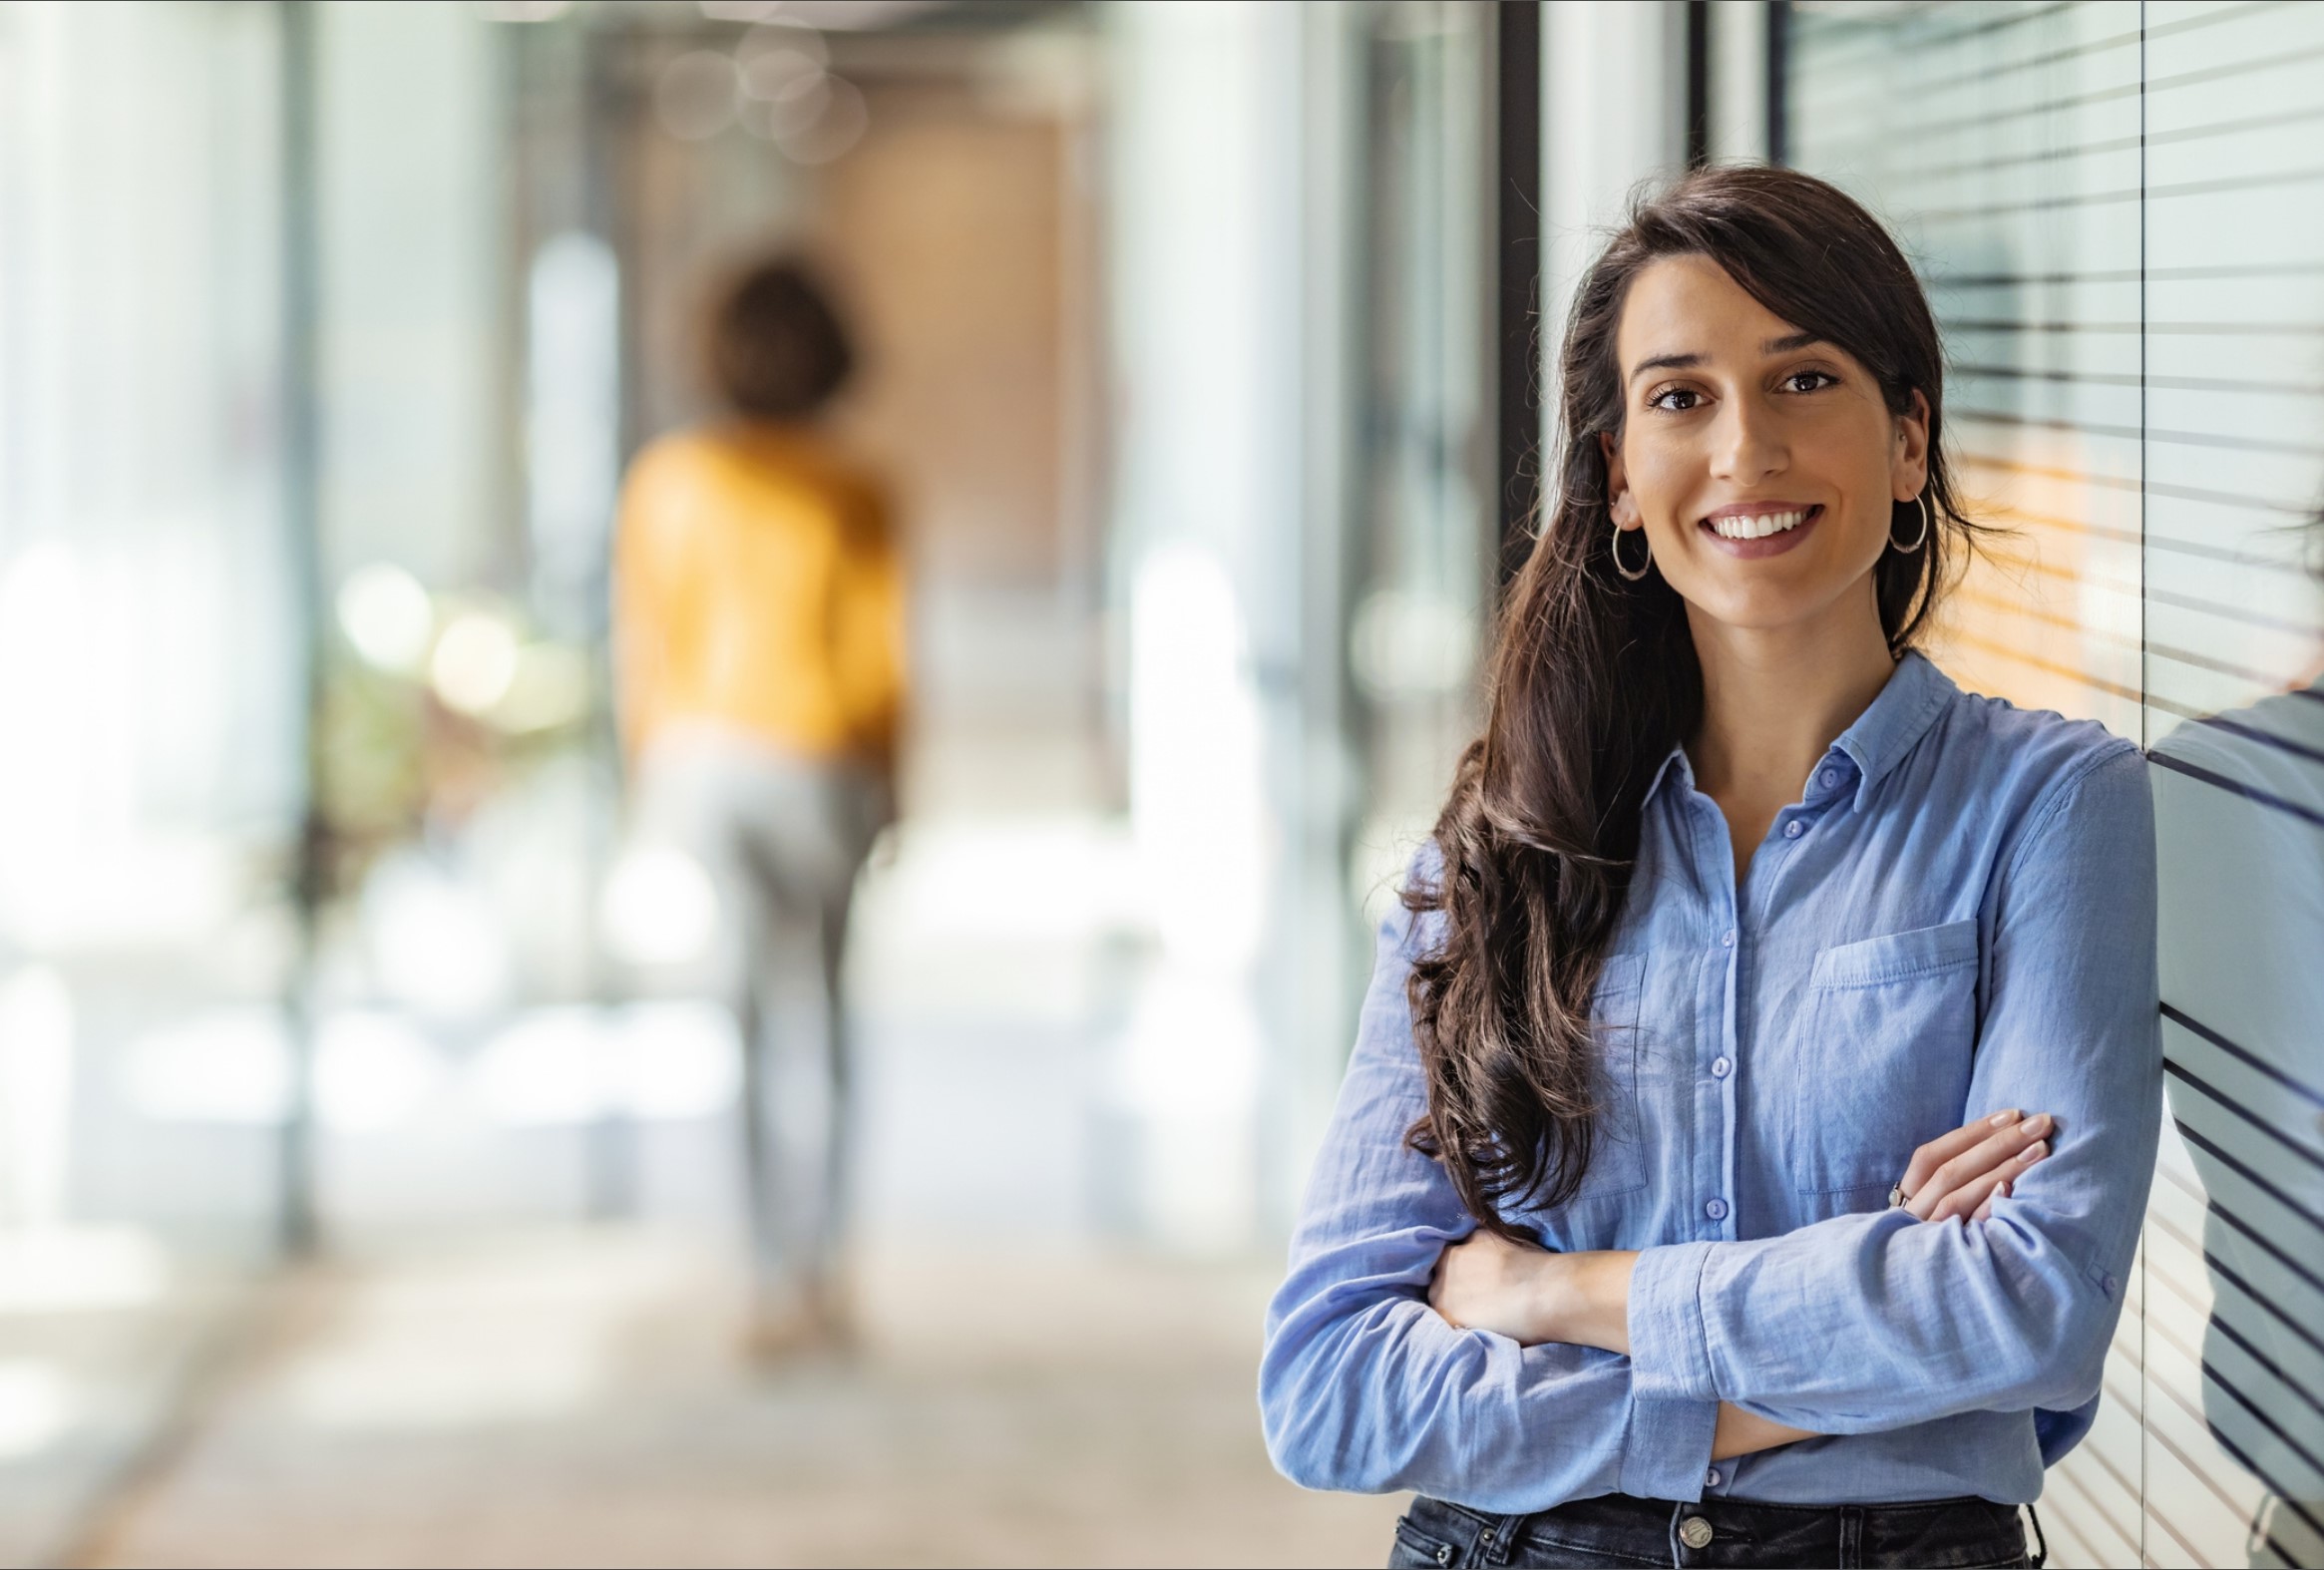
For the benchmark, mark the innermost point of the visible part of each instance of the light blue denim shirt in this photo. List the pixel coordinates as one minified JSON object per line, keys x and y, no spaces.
{"x":1958,"y":919}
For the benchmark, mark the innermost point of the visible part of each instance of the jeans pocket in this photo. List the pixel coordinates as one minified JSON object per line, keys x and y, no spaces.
{"x":1415,"y":1548}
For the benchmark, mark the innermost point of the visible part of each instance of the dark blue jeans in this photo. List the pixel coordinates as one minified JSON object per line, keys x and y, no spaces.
{"x":1616,"y":1529}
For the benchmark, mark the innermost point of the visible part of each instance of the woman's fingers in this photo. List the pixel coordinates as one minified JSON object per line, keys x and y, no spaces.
{"x":1968,"y":1198}
{"x":1985,"y":1211}
{"x":1999,"y":1153}
{"x":1945,"y":1147}
{"x":1974,"y":1194}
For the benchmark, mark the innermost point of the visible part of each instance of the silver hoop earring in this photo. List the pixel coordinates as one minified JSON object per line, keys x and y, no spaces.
{"x":1922,"y":501}
{"x":1644,"y":568}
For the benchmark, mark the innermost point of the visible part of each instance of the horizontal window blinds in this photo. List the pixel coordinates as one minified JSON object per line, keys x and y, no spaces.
{"x":2118,"y":211}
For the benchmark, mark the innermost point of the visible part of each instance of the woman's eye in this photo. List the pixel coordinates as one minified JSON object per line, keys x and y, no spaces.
{"x":1678,"y":399}
{"x":1809,"y":381}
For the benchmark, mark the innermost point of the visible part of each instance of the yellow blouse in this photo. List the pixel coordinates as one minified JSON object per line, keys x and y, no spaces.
{"x":757,"y":585}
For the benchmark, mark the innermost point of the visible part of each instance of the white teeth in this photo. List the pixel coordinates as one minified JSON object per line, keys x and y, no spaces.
{"x":1759,"y":526}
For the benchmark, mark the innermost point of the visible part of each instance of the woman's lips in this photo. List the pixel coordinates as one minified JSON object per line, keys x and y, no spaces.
{"x":1774,"y":544}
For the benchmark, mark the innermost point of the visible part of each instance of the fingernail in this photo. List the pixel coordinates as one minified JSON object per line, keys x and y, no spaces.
{"x":2035,"y":1124}
{"x":2000,"y":1119}
{"x":2035,"y":1152}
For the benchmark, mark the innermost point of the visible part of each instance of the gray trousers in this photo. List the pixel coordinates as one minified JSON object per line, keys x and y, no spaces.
{"x":782,"y":839}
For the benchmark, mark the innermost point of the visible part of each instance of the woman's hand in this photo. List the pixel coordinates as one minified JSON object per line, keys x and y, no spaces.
{"x":1486,"y":1283}
{"x":1964,"y":1172}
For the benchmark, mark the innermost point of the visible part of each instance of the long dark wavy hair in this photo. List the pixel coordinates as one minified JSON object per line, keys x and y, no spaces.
{"x":1593,"y":680}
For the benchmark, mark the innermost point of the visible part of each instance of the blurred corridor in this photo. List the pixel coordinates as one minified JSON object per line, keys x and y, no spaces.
{"x":373,"y":1177}
{"x":379,"y":1188}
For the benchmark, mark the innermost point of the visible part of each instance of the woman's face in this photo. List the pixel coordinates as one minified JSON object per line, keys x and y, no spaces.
{"x":1760,"y":461}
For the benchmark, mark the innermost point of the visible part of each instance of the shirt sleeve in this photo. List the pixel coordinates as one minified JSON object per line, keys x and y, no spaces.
{"x":868,"y":656}
{"x":1365,"y":1388}
{"x":1866,"y":1323}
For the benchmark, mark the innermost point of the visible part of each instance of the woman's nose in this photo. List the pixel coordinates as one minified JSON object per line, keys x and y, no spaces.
{"x":1747,"y":443}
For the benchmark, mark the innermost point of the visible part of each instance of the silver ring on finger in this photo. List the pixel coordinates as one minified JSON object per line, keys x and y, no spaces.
{"x":1897,"y":1198}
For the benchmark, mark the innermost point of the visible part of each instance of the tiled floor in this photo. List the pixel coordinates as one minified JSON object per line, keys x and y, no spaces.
{"x":575,"y":1398}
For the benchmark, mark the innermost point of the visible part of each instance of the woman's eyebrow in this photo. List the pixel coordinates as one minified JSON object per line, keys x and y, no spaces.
{"x":1681,"y":362}
{"x":1665,"y":362}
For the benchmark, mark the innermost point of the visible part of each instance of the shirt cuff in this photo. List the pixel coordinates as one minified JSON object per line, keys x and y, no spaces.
{"x":1666,"y":1452}
{"x":1668,"y":1357}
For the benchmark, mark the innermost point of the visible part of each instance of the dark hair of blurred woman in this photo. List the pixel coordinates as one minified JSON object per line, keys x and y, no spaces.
{"x":776,"y":349}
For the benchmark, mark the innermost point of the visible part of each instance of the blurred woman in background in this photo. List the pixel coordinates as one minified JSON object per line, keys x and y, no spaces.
{"x":759,"y":636}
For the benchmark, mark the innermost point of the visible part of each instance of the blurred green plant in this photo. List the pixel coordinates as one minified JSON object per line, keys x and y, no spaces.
{"x":414,"y":745}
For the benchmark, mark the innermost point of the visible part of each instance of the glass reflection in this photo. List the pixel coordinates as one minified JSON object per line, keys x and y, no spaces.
{"x":2239,"y":801}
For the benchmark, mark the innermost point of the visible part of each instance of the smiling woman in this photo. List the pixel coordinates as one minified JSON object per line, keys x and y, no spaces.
{"x":1682,"y":1195}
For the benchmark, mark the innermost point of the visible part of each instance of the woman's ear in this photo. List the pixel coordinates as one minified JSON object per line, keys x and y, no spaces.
{"x":1618,"y":500}
{"x":1908,"y":469}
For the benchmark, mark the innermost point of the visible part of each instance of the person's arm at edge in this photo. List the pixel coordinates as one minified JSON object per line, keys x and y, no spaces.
{"x":873,"y":656}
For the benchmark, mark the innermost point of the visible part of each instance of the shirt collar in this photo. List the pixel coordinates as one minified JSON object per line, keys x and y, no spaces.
{"x":1893,"y":723}
{"x":1676,"y":762}
{"x":1890,"y":726}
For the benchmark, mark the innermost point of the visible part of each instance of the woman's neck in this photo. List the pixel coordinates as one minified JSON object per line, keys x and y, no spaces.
{"x":1774,"y":701}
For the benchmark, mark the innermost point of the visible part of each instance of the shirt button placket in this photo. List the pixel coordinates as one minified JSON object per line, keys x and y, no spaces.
{"x":1722,"y":1073}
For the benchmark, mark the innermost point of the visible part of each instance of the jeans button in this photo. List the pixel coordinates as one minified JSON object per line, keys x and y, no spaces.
{"x":1694,"y":1532}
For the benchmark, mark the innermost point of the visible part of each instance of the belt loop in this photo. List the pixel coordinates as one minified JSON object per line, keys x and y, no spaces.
{"x":1678,"y":1553}
{"x":1851,"y":1536}
{"x":1497,"y":1537}
{"x":2041,"y":1554}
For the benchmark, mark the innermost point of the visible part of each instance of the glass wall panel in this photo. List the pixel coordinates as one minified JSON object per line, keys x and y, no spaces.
{"x":2115,"y":208}
{"x":1421,"y":527}
{"x":151,"y":695}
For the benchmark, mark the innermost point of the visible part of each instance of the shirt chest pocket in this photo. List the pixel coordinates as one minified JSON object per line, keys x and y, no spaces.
{"x":1616,"y":1162}
{"x":1891,"y":1027}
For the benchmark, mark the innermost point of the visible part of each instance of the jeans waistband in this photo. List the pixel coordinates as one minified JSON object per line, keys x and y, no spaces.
{"x":1620,"y":1529}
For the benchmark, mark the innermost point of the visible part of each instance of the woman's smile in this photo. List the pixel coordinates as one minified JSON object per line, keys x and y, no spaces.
{"x":1759,"y":529}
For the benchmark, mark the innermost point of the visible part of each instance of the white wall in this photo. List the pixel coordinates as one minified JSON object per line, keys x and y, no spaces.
{"x":412,"y":289}
{"x":1204,"y":240}
{"x":1614,"y":107}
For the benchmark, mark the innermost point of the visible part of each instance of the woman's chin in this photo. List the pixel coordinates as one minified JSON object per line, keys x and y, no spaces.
{"x":1767,"y":601}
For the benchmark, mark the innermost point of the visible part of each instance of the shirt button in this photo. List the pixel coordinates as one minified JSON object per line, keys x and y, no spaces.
{"x":1727,"y":939}
{"x":1829,"y":778}
{"x":2111,"y":1284}
{"x":1716,"y":1209}
{"x":1794,"y":829}
{"x":1710,"y":1480}
{"x":1718,"y":1067}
